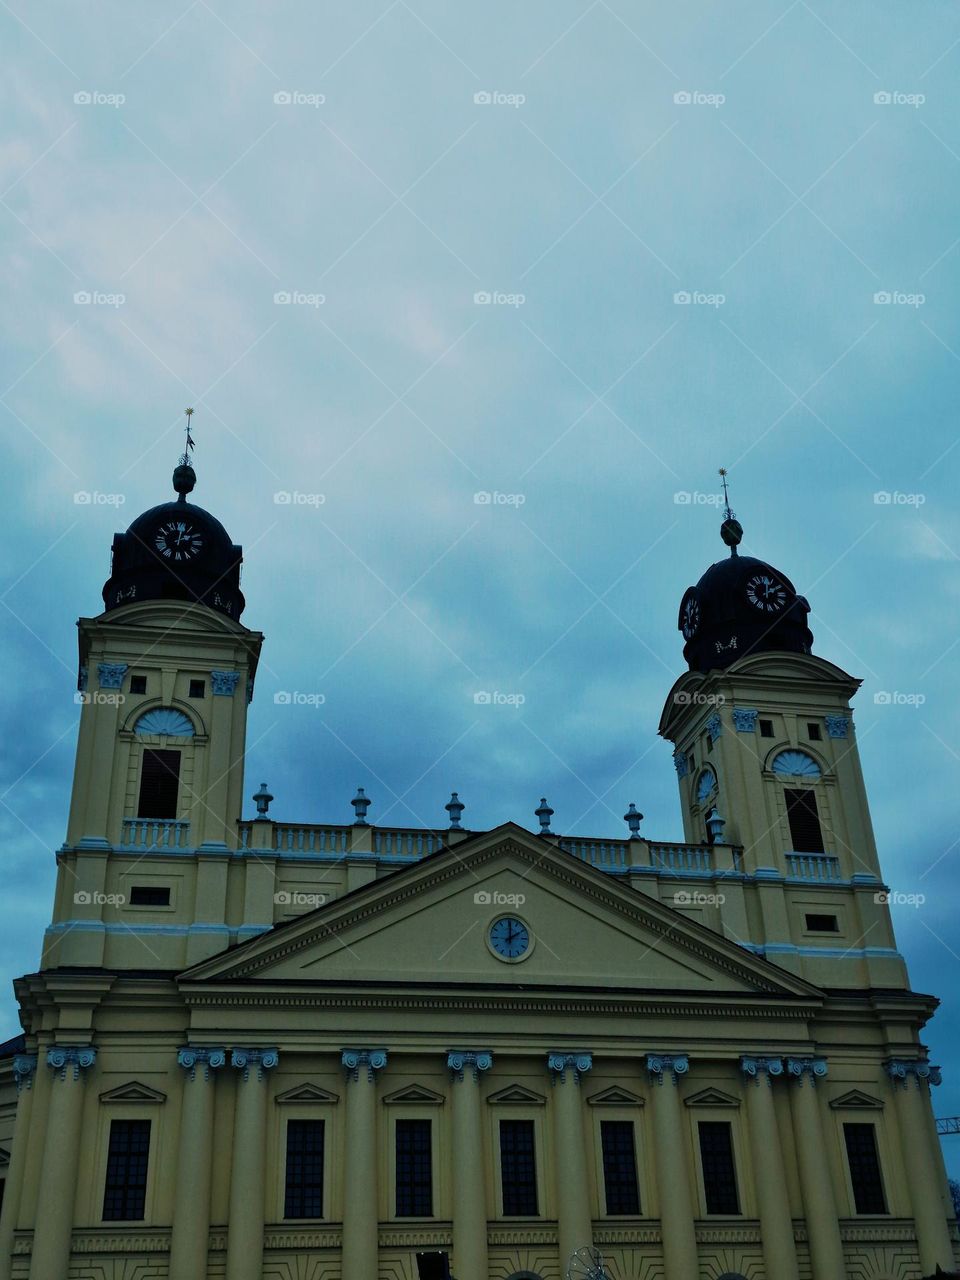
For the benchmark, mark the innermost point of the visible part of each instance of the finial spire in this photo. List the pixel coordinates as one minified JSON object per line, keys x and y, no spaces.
{"x":190,"y":445}
{"x":731,"y":531}
{"x":184,"y":476}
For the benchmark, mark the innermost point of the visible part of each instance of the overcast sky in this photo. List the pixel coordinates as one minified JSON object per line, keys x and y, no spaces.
{"x":172,"y":171}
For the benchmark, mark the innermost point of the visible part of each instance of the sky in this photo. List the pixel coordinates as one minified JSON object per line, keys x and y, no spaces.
{"x":569,"y":257}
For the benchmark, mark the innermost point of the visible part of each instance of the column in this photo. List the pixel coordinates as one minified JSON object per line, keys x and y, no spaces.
{"x":245,"y":1226}
{"x":24,"y":1068}
{"x":671,"y":1154}
{"x":911,"y":1082}
{"x":61,"y":1148}
{"x":191,"y":1213}
{"x":469,"y":1177}
{"x":769,"y":1176}
{"x":816,"y":1182}
{"x":361,"y":1200}
{"x":574,"y":1222}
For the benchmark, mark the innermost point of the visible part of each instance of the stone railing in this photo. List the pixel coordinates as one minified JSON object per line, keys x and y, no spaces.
{"x":682,"y":857}
{"x":406,"y":842}
{"x":609,"y":855}
{"x":813,"y":866}
{"x":155,"y":833}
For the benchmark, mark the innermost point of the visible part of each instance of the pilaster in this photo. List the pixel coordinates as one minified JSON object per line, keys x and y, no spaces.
{"x":469,"y":1183}
{"x":574,"y":1219}
{"x":776,"y":1223}
{"x":672,"y":1159}
{"x":248,"y":1171}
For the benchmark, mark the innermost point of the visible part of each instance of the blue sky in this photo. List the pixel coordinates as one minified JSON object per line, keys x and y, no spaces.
{"x":183,"y":165}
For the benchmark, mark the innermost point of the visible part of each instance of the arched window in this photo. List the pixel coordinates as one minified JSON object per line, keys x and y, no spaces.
{"x":160,"y":768}
{"x":165,"y":720}
{"x":795,"y":764}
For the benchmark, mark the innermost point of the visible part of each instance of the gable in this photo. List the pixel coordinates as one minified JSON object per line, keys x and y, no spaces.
{"x":517,"y":1094}
{"x":615,"y":1097}
{"x":415,"y":1093}
{"x":430,"y":922}
{"x":857,"y":1100}
{"x":134,"y":1091}
{"x":307,"y":1093}
{"x":712,"y":1098}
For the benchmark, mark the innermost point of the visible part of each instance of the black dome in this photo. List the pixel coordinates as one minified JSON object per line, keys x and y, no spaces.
{"x":176,"y":551}
{"x":741,"y":605}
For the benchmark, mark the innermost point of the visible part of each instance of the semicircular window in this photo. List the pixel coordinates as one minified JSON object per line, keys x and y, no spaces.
{"x":165,"y":720}
{"x":706,"y":784}
{"x":795,"y":764}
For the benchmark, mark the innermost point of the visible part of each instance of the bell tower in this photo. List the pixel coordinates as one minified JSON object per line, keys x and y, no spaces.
{"x":166,"y":672}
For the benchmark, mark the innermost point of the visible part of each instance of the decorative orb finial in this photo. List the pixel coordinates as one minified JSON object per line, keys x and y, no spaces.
{"x":455,"y":808}
{"x":361,"y":804}
{"x":731,"y":531}
{"x":544,"y":813}
{"x":184,"y":476}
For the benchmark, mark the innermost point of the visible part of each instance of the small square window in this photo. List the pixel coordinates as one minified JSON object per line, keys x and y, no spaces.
{"x":766,"y":728}
{"x":149,"y":895}
{"x":198,"y":688}
{"x":138,"y":684}
{"x":822,"y":924}
{"x":813,"y":732}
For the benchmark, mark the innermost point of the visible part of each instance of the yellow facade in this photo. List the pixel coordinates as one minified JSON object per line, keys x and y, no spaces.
{"x":352,"y":975}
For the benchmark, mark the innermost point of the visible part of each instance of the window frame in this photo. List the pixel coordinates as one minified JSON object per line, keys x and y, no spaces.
{"x":100,"y":1186}
{"x":853,"y":1118}
{"x":403,"y":1117}
{"x":524,"y":1117}
{"x":816,"y":816}
{"x":708,"y":1117}
{"x":618,"y":1119}
{"x":159,"y":751}
{"x":286,"y":1121}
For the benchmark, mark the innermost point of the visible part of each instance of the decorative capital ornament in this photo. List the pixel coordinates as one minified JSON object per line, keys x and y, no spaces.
{"x":224,"y":683}
{"x":714,"y":727}
{"x":24,"y":1069}
{"x":745,"y":719}
{"x":900,"y":1070}
{"x":557,"y":1064}
{"x":815,"y":1068}
{"x":837,"y":726}
{"x":262,"y":1059}
{"x":754,"y":1068}
{"x":661,"y":1064}
{"x":188,"y":1057}
{"x":79,"y":1056}
{"x":111,"y":674}
{"x":680,"y":763}
{"x":478,"y":1059}
{"x":353,"y":1059}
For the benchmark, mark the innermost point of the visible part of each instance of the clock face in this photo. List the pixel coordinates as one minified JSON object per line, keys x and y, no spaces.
{"x":765,"y":593}
{"x":690,"y":617}
{"x":509,"y":938}
{"x":178,"y":540}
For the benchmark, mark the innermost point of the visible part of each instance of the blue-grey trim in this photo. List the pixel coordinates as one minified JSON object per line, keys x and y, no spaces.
{"x":176,"y":930}
{"x":825,"y":953}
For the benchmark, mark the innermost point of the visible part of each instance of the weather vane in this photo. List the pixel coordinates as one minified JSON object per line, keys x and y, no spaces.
{"x":190,"y":445}
{"x":731,"y":531}
{"x":728,"y":513}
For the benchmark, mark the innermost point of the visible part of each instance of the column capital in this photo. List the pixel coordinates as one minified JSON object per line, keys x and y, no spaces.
{"x":353,"y":1059}
{"x":188,"y":1057}
{"x":661,"y":1064}
{"x":79,"y":1056}
{"x":754,"y":1068}
{"x":262,"y":1059}
{"x":477,"y":1059}
{"x":24,"y":1069}
{"x":797,"y":1068}
{"x":557,"y":1064}
{"x":900,"y":1070}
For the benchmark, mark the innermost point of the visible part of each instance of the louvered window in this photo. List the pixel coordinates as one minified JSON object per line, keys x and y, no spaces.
{"x":805,"y":833}
{"x":159,"y":784}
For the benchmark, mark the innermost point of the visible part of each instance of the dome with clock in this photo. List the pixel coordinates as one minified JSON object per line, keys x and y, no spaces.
{"x":176,"y":551}
{"x":741,"y":605}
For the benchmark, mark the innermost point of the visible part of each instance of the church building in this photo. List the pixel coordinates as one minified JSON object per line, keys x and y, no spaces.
{"x":279,"y":1050}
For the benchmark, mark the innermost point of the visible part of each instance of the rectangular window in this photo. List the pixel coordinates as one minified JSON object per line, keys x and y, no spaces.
{"x":861,"y":1140}
{"x":303,"y":1196}
{"x":149,"y":895}
{"x":822,"y":924}
{"x":719,"y":1174}
{"x":138,"y":684}
{"x":198,"y":688}
{"x":805,"y":833}
{"x":766,"y":728}
{"x":813,"y":732}
{"x":414,"y":1169}
{"x":619,"y":1166}
{"x":125,"y":1193}
{"x":518,"y":1170}
{"x":159,"y":784}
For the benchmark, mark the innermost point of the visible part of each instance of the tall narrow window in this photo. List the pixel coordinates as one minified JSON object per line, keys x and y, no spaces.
{"x":861,"y":1140}
{"x":159,"y":784}
{"x":805,"y":834}
{"x":518,"y":1170}
{"x":414,"y":1169}
{"x":303,"y":1196}
{"x":719,"y":1174}
{"x":125,"y":1193}
{"x":619,"y":1166}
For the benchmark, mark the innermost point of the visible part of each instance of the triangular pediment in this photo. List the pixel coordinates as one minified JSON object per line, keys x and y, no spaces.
{"x":307,"y":1093}
{"x":517,"y":1094}
{"x":415,"y":1093}
{"x":430,"y":923}
{"x":712,"y":1098}
{"x":133,"y":1092}
{"x":857,"y":1100}
{"x":615,"y":1097}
